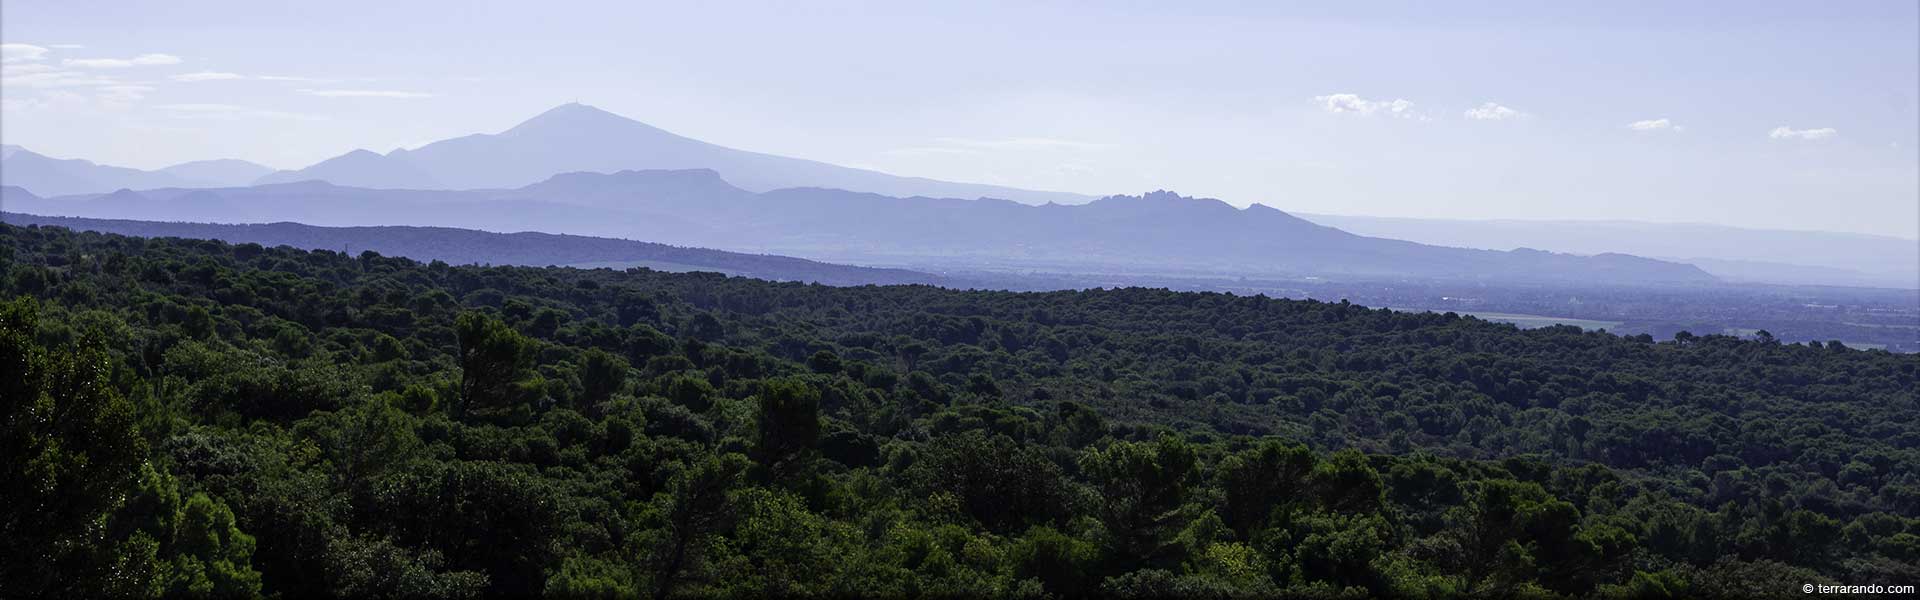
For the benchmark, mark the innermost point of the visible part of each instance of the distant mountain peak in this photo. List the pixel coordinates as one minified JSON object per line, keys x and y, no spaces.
{"x":219,"y":172}
{"x":1166,"y":200}
{"x":301,"y":185}
{"x":683,"y":176}
{"x":698,"y":174}
{"x":47,"y":176}
{"x":14,"y":191}
{"x":571,"y":116}
{"x":580,"y":137}
{"x":1157,"y":196}
{"x":577,"y":107}
{"x":218,"y":161}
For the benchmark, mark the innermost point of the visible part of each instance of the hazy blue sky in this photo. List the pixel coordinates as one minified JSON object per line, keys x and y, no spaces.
{"x":1796,"y":115}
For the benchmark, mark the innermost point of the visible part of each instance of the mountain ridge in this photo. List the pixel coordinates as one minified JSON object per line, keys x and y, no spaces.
{"x":576,"y":137}
{"x":1735,"y":253}
{"x":50,"y":176}
{"x":1157,"y":230}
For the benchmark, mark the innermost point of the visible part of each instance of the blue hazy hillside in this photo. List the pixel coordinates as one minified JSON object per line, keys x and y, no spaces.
{"x":1733,"y":253}
{"x":50,"y":176}
{"x":1159,"y":232}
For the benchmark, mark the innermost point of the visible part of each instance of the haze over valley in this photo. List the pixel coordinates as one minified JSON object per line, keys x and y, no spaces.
{"x":1052,"y":301}
{"x":661,"y":188}
{"x":1731,"y":253}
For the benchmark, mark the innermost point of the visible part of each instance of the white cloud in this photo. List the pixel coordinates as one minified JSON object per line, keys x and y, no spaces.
{"x":45,"y":79}
{"x":364,"y":94}
{"x":1020,"y":143}
{"x":46,"y":100}
{"x":1075,"y":168}
{"x":97,"y":63}
{"x":1655,"y":125}
{"x":201,"y":107}
{"x":1495,"y":112}
{"x":25,"y":68}
{"x":121,"y":63}
{"x":1354,"y":104}
{"x":19,"y":53}
{"x":954,"y":146}
{"x":125,"y":91}
{"x":121,"y":97}
{"x":206,"y":76}
{"x":156,"y":59}
{"x":926,"y":150}
{"x":21,"y":104}
{"x":1784,"y":132}
{"x":287,"y":78}
{"x":67,"y":46}
{"x":229,"y":111}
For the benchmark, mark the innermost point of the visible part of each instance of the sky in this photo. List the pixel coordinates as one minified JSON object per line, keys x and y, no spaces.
{"x":1792,"y":115}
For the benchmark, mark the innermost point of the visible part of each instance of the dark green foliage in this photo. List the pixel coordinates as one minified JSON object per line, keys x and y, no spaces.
{"x":1255,"y":482}
{"x":787,"y":425}
{"x":1002,"y":485}
{"x":1142,"y":493}
{"x":698,"y":504}
{"x":72,"y":457}
{"x":824,"y":361}
{"x":689,"y":391}
{"x":602,"y":375}
{"x":191,"y":418}
{"x":495,"y":361}
{"x":86,"y":515}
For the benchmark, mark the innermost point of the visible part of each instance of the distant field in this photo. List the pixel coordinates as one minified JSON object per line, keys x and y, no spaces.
{"x":1750,"y":332}
{"x":671,"y":267}
{"x":1526,"y":321}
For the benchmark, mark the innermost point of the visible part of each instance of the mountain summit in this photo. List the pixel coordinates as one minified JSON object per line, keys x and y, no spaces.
{"x":577,"y":117}
{"x":577,"y":137}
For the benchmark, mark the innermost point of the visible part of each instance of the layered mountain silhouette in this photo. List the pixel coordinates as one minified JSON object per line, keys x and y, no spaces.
{"x":224,"y":172}
{"x":55,"y":176}
{"x":567,"y":170}
{"x":1155,"y":233}
{"x":578,"y":137}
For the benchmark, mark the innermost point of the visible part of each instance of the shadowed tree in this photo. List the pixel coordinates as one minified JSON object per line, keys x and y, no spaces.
{"x":493,"y":360}
{"x":1254,"y":481}
{"x":1142,"y":487}
{"x":1080,"y":424}
{"x":602,"y":375}
{"x":1000,"y":483}
{"x":72,"y":457}
{"x":824,"y":361}
{"x":789,"y":426}
{"x":1346,"y":483}
{"x":697,"y":504}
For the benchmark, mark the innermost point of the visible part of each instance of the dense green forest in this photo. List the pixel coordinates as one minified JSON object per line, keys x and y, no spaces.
{"x":187,"y":417}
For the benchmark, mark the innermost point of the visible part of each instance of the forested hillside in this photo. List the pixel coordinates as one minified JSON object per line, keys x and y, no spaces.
{"x":466,"y":246}
{"x":186,"y":416}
